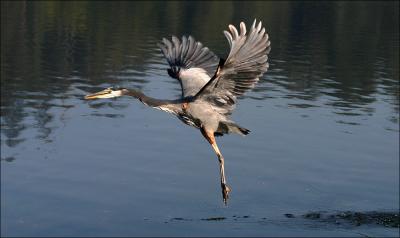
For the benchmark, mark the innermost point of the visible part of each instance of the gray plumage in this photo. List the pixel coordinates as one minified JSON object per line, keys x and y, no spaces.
{"x":190,"y":62}
{"x":210,"y":86}
{"x":215,"y":100}
{"x":246,"y":62}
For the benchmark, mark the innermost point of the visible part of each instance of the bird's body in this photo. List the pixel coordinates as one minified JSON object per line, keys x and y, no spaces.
{"x":210,"y":85}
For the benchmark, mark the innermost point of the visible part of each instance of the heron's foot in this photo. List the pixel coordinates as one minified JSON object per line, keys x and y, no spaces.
{"x":225,"y":192}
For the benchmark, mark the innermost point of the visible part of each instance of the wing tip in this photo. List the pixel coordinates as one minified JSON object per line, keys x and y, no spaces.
{"x":234,"y":31}
{"x":242,"y":29}
{"x":254,"y":24}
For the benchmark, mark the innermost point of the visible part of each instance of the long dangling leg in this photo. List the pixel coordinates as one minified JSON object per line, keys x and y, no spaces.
{"x":209,"y":135}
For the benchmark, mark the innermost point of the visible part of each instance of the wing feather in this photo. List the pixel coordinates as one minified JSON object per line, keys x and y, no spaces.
{"x":245,"y":64}
{"x":190,"y":62}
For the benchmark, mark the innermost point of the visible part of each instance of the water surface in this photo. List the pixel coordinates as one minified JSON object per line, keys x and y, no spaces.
{"x":324,"y":121}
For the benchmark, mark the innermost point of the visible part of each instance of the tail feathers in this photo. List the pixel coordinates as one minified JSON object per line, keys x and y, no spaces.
{"x":244,"y":131}
{"x":230,"y":127}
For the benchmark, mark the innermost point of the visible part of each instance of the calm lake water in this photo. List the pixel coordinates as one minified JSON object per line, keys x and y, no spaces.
{"x":324,"y":121}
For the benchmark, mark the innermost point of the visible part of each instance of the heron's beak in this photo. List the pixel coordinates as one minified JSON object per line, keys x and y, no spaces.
{"x":106,"y":93}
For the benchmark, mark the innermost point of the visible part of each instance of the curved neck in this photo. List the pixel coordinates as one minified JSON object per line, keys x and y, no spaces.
{"x":172,"y":106}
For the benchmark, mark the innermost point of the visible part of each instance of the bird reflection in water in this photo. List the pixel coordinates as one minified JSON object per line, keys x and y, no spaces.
{"x":210,"y":85}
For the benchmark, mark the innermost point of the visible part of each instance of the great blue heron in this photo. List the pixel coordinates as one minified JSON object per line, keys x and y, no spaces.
{"x":210,"y":85}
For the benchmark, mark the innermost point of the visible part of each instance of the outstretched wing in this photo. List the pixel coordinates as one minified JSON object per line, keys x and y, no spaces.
{"x":191,"y":63}
{"x":246,"y":62}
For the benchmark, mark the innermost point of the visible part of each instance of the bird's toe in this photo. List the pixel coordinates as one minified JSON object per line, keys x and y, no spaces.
{"x":225,"y":192}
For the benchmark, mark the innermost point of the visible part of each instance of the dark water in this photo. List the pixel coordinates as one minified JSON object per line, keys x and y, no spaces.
{"x":324,"y":121}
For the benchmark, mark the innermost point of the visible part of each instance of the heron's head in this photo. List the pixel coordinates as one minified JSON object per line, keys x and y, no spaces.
{"x":107,"y":93}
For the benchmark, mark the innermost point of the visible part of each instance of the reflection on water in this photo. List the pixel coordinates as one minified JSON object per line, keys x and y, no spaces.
{"x":50,"y":47}
{"x":332,"y":64}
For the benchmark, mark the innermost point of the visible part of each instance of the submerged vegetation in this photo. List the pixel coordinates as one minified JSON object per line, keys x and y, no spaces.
{"x":346,"y":218}
{"x":387,"y":219}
